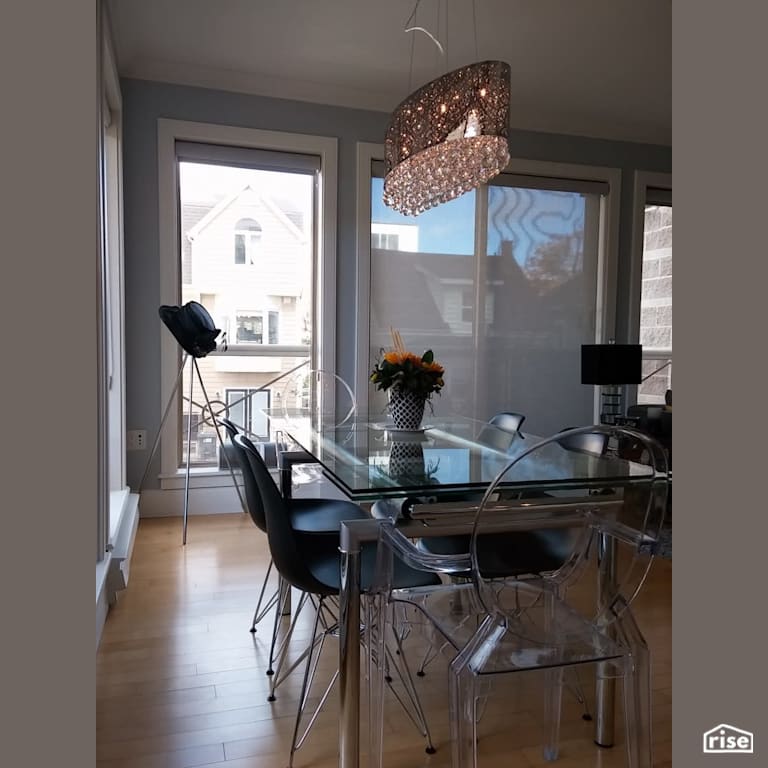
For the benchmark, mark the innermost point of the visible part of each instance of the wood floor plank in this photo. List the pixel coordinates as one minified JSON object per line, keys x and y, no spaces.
{"x":181,"y":681}
{"x":182,"y":758}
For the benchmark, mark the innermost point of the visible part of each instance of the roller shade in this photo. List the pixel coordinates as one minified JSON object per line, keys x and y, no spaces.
{"x":580,"y":186}
{"x":655,"y":196}
{"x":242,"y":157}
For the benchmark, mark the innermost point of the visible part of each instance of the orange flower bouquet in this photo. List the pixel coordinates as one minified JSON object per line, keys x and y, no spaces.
{"x":411,"y":380}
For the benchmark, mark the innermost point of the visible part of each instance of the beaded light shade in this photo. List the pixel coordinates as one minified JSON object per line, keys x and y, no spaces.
{"x":448,"y":137}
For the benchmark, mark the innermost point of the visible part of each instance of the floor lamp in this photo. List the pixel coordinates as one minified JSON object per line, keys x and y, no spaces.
{"x":194,"y":330}
{"x":611,"y":366}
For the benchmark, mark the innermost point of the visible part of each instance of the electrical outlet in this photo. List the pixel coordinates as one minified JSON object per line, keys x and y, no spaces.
{"x":137,"y":439}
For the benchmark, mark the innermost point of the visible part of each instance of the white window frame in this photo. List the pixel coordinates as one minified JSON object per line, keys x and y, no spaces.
{"x":117,"y":509}
{"x":608,"y":249}
{"x":323,"y":355}
{"x":265,"y":313}
{"x":103,"y":556}
{"x":115,"y":316}
{"x":643,"y":181}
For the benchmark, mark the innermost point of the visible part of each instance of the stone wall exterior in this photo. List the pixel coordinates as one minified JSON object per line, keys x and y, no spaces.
{"x":656,"y":300}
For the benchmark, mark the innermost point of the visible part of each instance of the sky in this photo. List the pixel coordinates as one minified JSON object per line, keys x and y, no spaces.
{"x":449,"y":228}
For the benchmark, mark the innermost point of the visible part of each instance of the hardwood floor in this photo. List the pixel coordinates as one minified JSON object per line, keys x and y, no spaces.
{"x":181,"y":681}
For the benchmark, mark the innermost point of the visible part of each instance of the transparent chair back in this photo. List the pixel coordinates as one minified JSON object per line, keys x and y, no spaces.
{"x":609,"y":499}
{"x":318,"y":399}
{"x":620,"y":472}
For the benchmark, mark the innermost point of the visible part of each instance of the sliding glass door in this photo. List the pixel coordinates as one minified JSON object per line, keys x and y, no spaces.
{"x":502,"y":285}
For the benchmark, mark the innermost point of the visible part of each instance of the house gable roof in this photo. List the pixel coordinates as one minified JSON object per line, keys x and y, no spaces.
{"x":226,"y":202}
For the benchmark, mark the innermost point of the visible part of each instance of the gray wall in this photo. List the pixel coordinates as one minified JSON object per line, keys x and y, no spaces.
{"x":144,"y":102}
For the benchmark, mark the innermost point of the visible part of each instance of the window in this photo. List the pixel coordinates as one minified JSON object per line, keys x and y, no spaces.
{"x":117,"y":510}
{"x":113,"y":271}
{"x":653,"y":300}
{"x":250,"y":327}
{"x":383,"y":240}
{"x":114,"y":318}
{"x":278,"y":191}
{"x":244,"y":409}
{"x":506,"y":283}
{"x":395,"y":236}
{"x":269,"y":207}
{"x":247,"y":241}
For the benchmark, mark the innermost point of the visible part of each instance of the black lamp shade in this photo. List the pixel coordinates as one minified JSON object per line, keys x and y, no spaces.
{"x":611,"y":363}
{"x":192,"y":326}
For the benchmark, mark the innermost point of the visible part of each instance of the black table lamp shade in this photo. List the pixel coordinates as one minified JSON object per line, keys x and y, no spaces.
{"x":611,"y":363}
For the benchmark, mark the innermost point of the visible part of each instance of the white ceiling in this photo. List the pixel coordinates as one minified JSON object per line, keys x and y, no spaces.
{"x":598,"y":68}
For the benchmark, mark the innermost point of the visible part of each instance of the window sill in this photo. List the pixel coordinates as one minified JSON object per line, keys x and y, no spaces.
{"x":198,"y":478}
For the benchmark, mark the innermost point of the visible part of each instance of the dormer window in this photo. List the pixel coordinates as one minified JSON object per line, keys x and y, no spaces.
{"x":247,"y":241}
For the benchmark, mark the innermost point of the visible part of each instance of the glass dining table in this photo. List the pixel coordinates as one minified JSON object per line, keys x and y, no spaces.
{"x":369,"y":460}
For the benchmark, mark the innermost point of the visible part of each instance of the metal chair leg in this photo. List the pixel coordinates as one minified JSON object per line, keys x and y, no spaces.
{"x":420,"y":718}
{"x":259,"y":614}
{"x":283,"y":589}
{"x":282,"y":652}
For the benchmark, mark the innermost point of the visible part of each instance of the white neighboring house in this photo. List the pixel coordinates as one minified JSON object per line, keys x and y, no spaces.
{"x":395,"y":237}
{"x":248,"y":261}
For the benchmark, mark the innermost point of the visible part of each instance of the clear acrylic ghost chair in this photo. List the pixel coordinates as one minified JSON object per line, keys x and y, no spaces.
{"x":508,"y":625}
{"x":317,"y":397}
{"x":522,"y":551}
{"x":312,"y":398}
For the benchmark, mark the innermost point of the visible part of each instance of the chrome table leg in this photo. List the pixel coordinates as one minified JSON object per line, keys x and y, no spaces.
{"x":605,"y":684}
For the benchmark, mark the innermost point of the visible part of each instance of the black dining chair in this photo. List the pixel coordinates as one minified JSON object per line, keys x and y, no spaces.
{"x":308,"y":558}
{"x":231,"y":429}
{"x":509,"y":421}
{"x":319,"y":516}
{"x":255,"y":509}
{"x":594,"y":443}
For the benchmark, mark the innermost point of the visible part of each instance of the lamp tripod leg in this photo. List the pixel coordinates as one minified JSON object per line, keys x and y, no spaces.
{"x":189,"y":454}
{"x":218,"y":434}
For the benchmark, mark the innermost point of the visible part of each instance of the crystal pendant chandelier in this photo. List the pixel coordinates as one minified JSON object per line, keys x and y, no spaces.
{"x":448,"y":137}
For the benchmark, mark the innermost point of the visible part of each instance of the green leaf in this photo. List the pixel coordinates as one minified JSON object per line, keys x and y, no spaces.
{"x":428,"y":357}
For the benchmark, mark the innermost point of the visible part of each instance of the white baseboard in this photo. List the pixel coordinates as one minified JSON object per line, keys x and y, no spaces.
{"x":202,"y":501}
{"x":102,"y":608}
{"x":113,"y":571}
{"x":102,"y":601}
{"x":122,"y":548}
{"x":308,"y":481}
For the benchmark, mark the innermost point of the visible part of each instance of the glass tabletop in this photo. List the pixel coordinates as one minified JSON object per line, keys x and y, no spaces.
{"x":368,"y":458}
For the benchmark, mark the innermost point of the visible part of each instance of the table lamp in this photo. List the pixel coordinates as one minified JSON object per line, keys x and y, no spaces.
{"x":611,"y":366}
